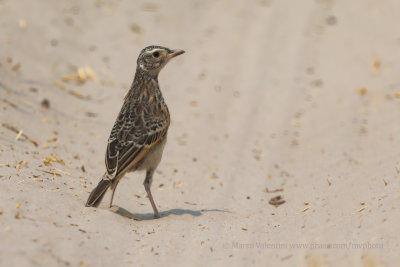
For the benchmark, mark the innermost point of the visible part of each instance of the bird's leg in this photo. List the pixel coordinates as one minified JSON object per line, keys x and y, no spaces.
{"x":113,"y":187}
{"x":147,"y":185}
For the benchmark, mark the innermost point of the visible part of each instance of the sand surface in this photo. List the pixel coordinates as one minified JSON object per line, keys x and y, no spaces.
{"x":293,"y":98}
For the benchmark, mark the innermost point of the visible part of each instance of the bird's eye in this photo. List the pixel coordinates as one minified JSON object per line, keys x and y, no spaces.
{"x":156,"y":54}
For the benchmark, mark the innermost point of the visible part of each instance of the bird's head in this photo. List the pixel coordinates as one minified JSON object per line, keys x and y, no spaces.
{"x":153,"y":58}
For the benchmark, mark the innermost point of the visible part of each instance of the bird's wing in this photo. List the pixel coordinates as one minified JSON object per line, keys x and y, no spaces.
{"x":136,"y":130}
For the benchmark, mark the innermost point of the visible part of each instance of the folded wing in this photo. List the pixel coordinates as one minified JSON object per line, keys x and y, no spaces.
{"x":136,"y":130}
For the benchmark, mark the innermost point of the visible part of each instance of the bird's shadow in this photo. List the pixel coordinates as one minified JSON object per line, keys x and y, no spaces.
{"x":150,"y":216}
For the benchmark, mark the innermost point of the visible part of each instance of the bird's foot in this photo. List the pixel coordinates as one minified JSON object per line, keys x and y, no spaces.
{"x":156,"y":215}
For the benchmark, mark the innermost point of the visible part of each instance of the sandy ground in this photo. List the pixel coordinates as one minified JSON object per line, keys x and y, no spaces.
{"x":302,"y":96}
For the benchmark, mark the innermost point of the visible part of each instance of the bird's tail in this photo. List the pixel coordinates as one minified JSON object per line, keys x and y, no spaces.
{"x":98,"y":193}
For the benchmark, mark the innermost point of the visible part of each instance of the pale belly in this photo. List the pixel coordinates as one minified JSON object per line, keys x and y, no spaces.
{"x":152,"y":159}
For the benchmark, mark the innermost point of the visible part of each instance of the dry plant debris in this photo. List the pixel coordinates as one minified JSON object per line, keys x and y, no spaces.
{"x":273,"y":191}
{"x":53,"y":158}
{"x":18,"y":132}
{"x":277,"y":201}
{"x":82,"y":75}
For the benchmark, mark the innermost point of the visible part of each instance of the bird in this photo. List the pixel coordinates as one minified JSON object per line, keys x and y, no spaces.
{"x":139,"y":134}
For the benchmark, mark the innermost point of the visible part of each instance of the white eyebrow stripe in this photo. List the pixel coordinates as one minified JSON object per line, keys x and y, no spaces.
{"x":154,"y":50}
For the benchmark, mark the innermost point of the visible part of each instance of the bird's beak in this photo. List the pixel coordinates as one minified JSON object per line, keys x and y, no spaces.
{"x":175,"y":53}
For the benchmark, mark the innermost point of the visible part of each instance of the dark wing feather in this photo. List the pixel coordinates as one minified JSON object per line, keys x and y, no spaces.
{"x":136,"y":130}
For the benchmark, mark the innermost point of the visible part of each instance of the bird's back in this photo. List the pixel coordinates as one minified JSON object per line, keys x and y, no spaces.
{"x":142,"y":122}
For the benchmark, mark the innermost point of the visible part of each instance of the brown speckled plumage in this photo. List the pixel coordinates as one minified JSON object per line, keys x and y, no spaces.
{"x":139,"y":134}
